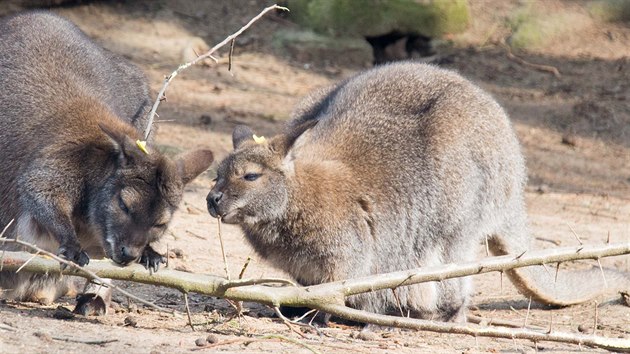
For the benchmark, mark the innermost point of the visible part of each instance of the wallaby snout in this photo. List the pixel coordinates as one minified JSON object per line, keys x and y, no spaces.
{"x":213,"y":199}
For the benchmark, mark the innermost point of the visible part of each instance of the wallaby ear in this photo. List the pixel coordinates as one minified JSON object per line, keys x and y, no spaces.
{"x":281,"y":144}
{"x":241,"y":134}
{"x":191,"y":164}
{"x":126,"y":148}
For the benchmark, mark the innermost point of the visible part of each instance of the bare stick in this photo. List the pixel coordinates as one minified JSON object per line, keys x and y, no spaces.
{"x":225,"y":264}
{"x":188,"y":312}
{"x":614,"y":344}
{"x":601,"y":269}
{"x":288,"y":322}
{"x":24,"y":265}
{"x":208,"y":54}
{"x":529,"y":306}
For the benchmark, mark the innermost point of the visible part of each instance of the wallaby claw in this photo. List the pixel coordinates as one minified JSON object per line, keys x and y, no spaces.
{"x":151,"y":259}
{"x":73,"y":254}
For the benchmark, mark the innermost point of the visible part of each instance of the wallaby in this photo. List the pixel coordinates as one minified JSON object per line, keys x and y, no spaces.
{"x":402,"y":166}
{"x":74,"y":178}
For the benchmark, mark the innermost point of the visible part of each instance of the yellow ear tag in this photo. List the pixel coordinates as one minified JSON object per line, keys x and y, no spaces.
{"x":142,"y":145}
{"x":259,"y":139}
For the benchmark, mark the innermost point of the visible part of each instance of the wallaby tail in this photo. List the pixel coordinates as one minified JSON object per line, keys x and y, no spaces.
{"x":564,"y":288}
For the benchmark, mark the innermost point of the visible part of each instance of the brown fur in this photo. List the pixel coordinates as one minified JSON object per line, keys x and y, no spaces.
{"x":73,"y":178}
{"x":401,"y":166}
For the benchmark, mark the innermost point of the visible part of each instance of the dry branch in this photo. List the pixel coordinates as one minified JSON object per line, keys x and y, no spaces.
{"x":329,"y":297}
{"x":167,"y":80}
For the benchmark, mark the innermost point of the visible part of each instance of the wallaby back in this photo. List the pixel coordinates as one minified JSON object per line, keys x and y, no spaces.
{"x":74,"y":179}
{"x":401,"y":166}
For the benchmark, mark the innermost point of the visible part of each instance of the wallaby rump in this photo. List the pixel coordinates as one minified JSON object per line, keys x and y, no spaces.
{"x":73,"y":177}
{"x":402,"y":166}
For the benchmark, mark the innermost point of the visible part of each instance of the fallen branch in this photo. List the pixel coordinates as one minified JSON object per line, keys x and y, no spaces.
{"x":167,"y":80}
{"x":329,"y":297}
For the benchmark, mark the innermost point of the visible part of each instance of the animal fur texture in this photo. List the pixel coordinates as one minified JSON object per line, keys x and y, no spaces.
{"x":405,"y":165}
{"x":73,"y":178}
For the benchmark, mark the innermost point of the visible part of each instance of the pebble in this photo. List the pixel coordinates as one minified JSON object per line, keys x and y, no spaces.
{"x":367,"y":335}
{"x":131,"y":321}
{"x":212,"y":339}
{"x":200,"y":342}
{"x":583,"y":329}
{"x":569,"y":139}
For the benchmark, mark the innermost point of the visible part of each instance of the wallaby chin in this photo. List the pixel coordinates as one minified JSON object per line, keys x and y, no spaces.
{"x":402,"y":166}
{"x":75,"y":178}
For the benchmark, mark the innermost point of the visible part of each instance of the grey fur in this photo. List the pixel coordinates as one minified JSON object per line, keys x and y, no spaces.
{"x":73,"y":178}
{"x":408,"y":165}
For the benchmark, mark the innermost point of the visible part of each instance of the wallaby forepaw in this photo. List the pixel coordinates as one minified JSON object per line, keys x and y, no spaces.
{"x":90,"y":305}
{"x":73,"y":254}
{"x":151,"y":259}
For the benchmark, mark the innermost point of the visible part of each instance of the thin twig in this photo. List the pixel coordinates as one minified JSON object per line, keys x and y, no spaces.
{"x":529,"y":306}
{"x":290,"y":323}
{"x":208,"y":54}
{"x":225,"y":264}
{"x":601,"y":269}
{"x":240,"y":275}
{"x":84,"y":341}
{"x":575,"y":234}
{"x":188,"y":312}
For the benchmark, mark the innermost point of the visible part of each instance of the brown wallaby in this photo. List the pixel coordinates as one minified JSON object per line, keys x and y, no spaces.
{"x":405,"y":165}
{"x":73,"y":178}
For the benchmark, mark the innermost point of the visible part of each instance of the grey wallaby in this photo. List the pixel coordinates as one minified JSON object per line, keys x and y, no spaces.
{"x":401,"y":166}
{"x":73,"y":179}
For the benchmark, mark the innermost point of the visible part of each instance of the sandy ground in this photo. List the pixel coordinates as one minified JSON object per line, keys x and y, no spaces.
{"x":574,"y":131}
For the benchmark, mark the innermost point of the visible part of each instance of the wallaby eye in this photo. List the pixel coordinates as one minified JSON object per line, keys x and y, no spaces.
{"x":122,"y":205}
{"x":251,"y":176}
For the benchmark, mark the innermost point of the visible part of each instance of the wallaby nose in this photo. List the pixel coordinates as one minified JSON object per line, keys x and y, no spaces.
{"x":213,"y":199}
{"x":127,"y":255}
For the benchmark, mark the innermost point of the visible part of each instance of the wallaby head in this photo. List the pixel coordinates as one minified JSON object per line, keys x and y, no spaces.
{"x":136,"y":203}
{"x":251,"y":183}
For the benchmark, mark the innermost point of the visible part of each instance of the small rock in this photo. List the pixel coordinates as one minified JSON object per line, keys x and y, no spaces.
{"x":205,"y":119}
{"x":625,"y":298}
{"x":212,"y":338}
{"x":569,"y":139}
{"x":178,"y":252}
{"x":192,"y":211}
{"x":366,"y":336}
{"x":542,"y":189}
{"x":200,"y":342}
{"x":131,"y":321}
{"x":583,"y":329}
{"x":43,"y":336}
{"x":62,"y":313}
